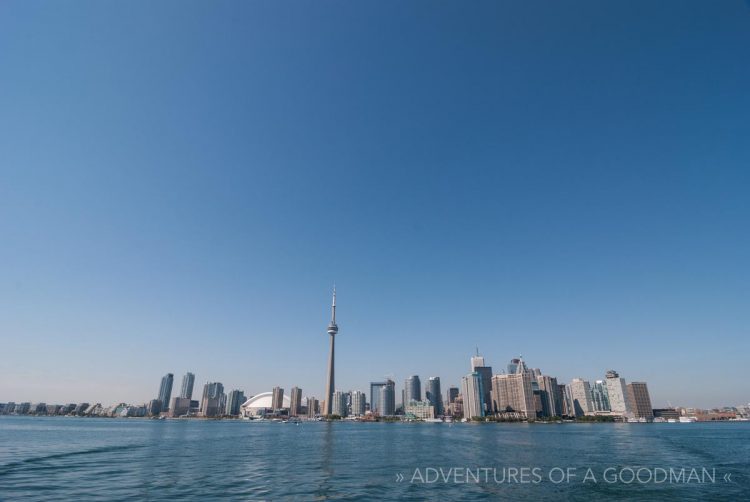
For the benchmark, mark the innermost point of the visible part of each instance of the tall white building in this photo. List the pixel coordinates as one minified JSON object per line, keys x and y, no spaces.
{"x":471,"y":389}
{"x":358,"y":403}
{"x":339,"y":404}
{"x":580,"y":393}
{"x":617,"y":391}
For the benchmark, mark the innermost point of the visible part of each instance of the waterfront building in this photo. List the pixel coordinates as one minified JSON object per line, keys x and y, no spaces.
{"x":262,"y":404}
{"x":513,"y":393}
{"x":640,"y":399}
{"x":617,"y":392}
{"x":375,"y":406}
{"x":358,"y":403}
{"x":453,"y":393}
{"x":165,"y":390}
{"x":550,"y":396}
{"x":420,"y":410}
{"x":580,"y":392}
{"x":387,"y":398}
{"x":434,"y":394}
{"x":153,"y":408}
{"x":338,"y":405}
{"x":412,"y":390}
{"x":211,"y":406}
{"x":667,"y":413}
{"x":457,"y":406}
{"x":234,"y":401}
{"x":485,"y":374}
{"x":187,"y":385}
{"x":599,"y":396}
{"x":332,"y":330}
{"x":179,"y":407}
{"x":473,"y":395}
{"x":295,"y":407}
{"x":213,"y":395}
{"x":312,"y":407}
{"x":277,"y":401}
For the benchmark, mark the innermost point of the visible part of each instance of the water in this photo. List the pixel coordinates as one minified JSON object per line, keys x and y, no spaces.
{"x":116,"y":459}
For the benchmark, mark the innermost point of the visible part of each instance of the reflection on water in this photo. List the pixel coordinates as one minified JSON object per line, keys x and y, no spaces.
{"x":43,"y":458}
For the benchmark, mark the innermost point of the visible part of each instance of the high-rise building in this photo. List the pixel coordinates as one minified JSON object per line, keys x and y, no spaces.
{"x":580,"y":391}
{"x":412,"y":390}
{"x":387,"y":398}
{"x":296,"y":402}
{"x":434,"y":395}
{"x":234,"y":402}
{"x":513,"y":366}
{"x":375,"y":406}
{"x":453,"y":393}
{"x":187,"y":385}
{"x":617,"y":392}
{"x":358,"y":403}
{"x":599,"y":396}
{"x":473,"y":394}
{"x":165,"y":390}
{"x":339,"y":404}
{"x":312,"y":407}
{"x":332,"y":330}
{"x":640,"y":399}
{"x":485,"y":373}
{"x":513,"y":393}
{"x":550,"y":396}
{"x":277,"y":398}
{"x":179,"y":407}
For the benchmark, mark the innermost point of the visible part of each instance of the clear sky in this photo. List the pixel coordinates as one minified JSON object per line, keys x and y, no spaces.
{"x":181,"y":183}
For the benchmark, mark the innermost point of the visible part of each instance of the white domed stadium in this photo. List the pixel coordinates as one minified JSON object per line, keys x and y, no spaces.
{"x":262,"y":404}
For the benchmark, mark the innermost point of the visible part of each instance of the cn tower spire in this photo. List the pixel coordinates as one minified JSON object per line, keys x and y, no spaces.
{"x":330,"y":383}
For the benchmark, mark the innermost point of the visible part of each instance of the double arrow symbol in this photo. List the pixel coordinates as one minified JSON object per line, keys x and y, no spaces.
{"x":727,"y":477}
{"x":399,"y":477}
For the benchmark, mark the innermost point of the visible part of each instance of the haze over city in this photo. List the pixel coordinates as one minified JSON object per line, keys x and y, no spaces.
{"x":186,"y":200}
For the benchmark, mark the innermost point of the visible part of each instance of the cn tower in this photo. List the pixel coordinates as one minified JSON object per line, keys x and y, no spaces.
{"x":332,"y":330}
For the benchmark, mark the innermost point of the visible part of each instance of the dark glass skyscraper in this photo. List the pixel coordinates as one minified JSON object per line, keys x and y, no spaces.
{"x":187,"y":385}
{"x":433,"y":394}
{"x":412,"y":390}
{"x":165,"y":390}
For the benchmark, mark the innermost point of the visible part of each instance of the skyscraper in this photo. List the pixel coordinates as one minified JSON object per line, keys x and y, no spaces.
{"x":375,"y":406}
{"x":312,"y":407}
{"x":513,"y":393}
{"x":473,"y":394}
{"x":165,"y":390}
{"x":433,"y":394}
{"x":599,"y":396}
{"x":387,"y":398}
{"x":550,"y":394}
{"x":580,"y":391}
{"x":213,"y":401}
{"x":640,"y":399}
{"x":485,"y":373}
{"x":296,"y":402}
{"x":234,"y":401}
{"x":332,"y":330}
{"x":412,"y":390}
{"x":617,"y":391}
{"x":187,"y":385}
{"x":339,"y":404}
{"x":277,"y":398}
{"x":453,"y":393}
{"x":358,"y":403}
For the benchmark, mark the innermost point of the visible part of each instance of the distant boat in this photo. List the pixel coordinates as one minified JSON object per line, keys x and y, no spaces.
{"x":433,"y":420}
{"x":687,"y":420}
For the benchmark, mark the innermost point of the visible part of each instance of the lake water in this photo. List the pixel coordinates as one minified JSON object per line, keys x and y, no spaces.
{"x":60,"y":458}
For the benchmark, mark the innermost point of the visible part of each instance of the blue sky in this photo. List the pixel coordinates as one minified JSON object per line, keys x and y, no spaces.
{"x":181,"y":183}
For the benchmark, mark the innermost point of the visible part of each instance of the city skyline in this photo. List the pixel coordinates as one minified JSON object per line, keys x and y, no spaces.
{"x":527,"y":179}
